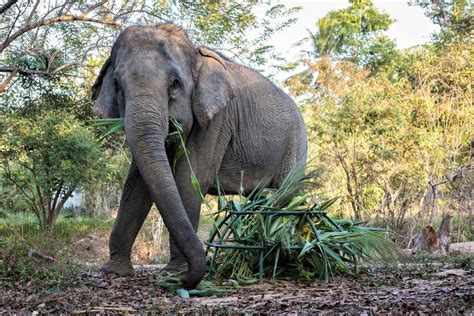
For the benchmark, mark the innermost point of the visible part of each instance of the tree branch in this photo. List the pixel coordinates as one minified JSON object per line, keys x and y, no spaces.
{"x":42,"y":203}
{"x":37,"y":72}
{"x":56,"y":196}
{"x":3,"y":86}
{"x":118,"y":16}
{"x":31,"y":200}
{"x":95,"y":6}
{"x":33,"y":11}
{"x":59,"y":19}
{"x":7,"y":5}
{"x":60,"y":205}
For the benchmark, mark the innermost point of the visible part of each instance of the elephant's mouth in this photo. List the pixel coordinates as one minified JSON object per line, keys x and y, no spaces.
{"x":173,"y":134}
{"x":172,"y":144}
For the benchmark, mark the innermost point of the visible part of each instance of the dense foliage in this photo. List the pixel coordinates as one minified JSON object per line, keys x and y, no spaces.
{"x":70,"y":38}
{"x":390,"y":133}
{"x":45,"y":158}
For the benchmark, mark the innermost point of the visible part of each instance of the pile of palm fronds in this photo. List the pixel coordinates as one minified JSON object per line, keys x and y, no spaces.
{"x":298,"y":237}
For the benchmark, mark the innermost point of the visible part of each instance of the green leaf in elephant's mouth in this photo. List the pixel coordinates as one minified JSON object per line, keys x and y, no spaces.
{"x":184,"y":151}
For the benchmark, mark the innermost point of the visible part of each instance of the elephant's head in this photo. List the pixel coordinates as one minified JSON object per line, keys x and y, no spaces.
{"x":152,"y":74}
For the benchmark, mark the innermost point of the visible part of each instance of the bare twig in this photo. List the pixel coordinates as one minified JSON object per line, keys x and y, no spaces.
{"x":95,"y":6}
{"x":105,"y":308}
{"x":33,"y":11}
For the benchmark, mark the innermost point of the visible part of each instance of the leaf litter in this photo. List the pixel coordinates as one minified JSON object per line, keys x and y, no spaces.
{"x":413,"y":287}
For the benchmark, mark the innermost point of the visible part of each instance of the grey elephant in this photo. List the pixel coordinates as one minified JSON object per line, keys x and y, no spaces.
{"x":235,"y":120}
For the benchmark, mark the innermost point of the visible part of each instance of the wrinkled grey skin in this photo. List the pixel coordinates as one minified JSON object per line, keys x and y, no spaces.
{"x":234,"y":119}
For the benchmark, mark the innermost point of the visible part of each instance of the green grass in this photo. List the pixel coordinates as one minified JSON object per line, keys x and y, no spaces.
{"x":26,"y":227}
{"x":21,"y":236}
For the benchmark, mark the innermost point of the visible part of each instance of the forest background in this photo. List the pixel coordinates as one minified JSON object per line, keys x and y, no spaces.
{"x":390,"y":129}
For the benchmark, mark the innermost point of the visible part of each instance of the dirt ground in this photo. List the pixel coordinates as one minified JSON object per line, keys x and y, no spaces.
{"x":426,"y":285}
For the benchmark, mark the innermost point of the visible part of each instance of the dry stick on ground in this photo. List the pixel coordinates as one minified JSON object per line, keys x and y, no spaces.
{"x":105,"y":309}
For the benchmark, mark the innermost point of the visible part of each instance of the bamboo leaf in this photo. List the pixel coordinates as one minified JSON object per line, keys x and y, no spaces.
{"x":196,"y":186}
{"x":307,"y":247}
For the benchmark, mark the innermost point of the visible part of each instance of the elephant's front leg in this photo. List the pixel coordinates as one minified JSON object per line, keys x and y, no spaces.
{"x":192,"y":203}
{"x":134,"y":207}
{"x":206,"y":149}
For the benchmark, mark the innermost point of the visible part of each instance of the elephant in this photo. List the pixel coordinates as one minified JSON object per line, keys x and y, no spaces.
{"x":234,"y":119}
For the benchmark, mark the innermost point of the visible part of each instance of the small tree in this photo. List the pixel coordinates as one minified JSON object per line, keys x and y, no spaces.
{"x":46,"y":157}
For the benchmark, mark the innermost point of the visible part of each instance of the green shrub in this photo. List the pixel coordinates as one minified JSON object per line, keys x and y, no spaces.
{"x":46,"y":157}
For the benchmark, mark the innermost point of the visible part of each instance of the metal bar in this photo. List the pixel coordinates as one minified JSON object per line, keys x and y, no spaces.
{"x":230,"y":246}
{"x":281,"y":213}
{"x":233,"y":215}
{"x":227,"y":228}
{"x":221,"y":238}
{"x":247,"y":247}
{"x":213,"y":262}
{"x":216,"y":229}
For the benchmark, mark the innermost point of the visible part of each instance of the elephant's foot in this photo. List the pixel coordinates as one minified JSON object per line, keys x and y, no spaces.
{"x":118,"y":268}
{"x":174,"y":268}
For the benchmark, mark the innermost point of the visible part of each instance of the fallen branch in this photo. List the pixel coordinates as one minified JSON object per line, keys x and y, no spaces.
{"x":33,"y":254}
{"x":105,"y":308}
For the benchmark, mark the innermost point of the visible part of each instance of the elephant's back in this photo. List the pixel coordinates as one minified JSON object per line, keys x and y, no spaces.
{"x":260,"y":107}
{"x":268,"y":132}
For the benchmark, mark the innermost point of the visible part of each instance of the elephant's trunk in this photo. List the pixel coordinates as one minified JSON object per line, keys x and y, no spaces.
{"x":146,"y":128}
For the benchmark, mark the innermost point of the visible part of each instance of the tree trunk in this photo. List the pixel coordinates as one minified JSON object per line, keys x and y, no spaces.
{"x":350,"y":190}
{"x":434,"y":204}
{"x":444,"y":232}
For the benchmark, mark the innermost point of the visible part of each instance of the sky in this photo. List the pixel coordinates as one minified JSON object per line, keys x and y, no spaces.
{"x":411,"y":26}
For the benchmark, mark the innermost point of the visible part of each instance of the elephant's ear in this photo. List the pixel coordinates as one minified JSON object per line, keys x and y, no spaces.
{"x":213,"y":90}
{"x":103,"y":93}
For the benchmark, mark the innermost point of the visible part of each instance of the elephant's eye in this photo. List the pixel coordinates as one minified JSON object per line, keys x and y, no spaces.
{"x":176,"y":84}
{"x":174,"y":87}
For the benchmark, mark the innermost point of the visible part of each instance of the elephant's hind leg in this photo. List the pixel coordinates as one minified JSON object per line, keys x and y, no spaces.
{"x":134,"y":207}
